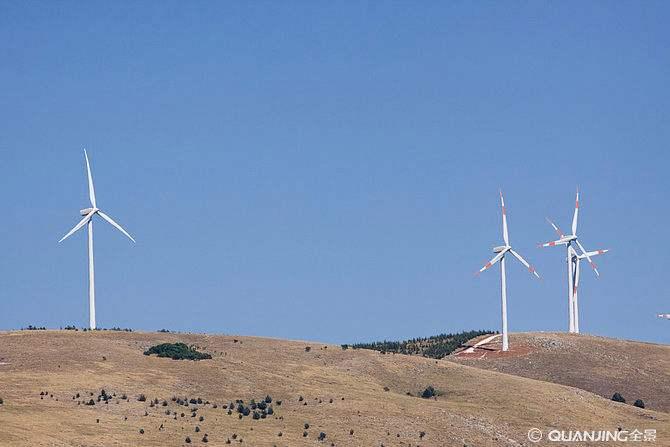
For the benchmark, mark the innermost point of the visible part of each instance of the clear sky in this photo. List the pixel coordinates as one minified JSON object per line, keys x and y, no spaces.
{"x":330,"y":170}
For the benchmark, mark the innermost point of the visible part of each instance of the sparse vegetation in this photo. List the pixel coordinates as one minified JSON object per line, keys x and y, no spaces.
{"x":437,"y":346}
{"x":177,"y":351}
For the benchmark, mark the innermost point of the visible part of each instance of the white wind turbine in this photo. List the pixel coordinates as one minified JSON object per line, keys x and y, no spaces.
{"x":500,"y":256}
{"x":88,"y":214}
{"x":573,"y":260}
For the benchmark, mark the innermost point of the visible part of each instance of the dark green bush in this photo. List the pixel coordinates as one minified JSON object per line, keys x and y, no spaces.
{"x":638,"y":403}
{"x":618,"y":398}
{"x":177,"y":351}
{"x":429,"y":392}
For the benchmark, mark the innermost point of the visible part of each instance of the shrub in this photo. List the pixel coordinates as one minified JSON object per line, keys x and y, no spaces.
{"x":322,"y":436}
{"x":308,"y":348}
{"x":1,"y":401}
{"x":177,"y":351}
{"x":422,"y":434}
{"x":187,"y":440}
{"x":428,"y":392}
{"x":638,"y":403}
{"x":306,"y":426}
{"x":197,"y":429}
{"x":618,"y":398}
{"x":345,"y":347}
{"x":141,"y":398}
{"x":304,"y":434}
{"x":90,"y":402}
{"x":141,"y":431}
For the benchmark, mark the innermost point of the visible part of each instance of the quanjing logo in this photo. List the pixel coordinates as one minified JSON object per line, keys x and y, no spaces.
{"x":534,"y":435}
{"x":648,"y":435}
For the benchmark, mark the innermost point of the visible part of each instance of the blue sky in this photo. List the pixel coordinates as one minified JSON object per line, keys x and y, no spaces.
{"x":330,"y":170}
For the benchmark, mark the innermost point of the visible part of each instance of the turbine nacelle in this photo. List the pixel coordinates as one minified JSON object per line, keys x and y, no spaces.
{"x":87,"y":211}
{"x":500,"y":248}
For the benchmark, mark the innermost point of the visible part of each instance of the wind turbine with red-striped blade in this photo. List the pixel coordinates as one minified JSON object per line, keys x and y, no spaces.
{"x":573,"y":259}
{"x":501,"y":251}
{"x":88,"y":214}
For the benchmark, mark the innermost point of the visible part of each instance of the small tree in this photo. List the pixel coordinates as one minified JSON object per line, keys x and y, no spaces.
{"x":638,"y":403}
{"x":618,"y":398}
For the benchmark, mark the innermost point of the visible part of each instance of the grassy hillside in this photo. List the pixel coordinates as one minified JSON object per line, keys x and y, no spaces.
{"x":597,"y":364}
{"x":353,"y":397}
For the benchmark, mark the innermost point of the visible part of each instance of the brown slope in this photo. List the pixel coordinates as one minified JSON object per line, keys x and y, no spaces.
{"x":479,"y":408}
{"x":597,"y":364}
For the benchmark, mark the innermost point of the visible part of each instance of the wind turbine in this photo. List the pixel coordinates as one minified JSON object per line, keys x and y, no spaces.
{"x":576,"y":259}
{"x":573,"y":259}
{"x":500,"y":256}
{"x":88,"y":214}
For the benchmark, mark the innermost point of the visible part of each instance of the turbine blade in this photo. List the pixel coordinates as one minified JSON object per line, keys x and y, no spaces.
{"x":552,"y":243}
{"x":495,"y":259}
{"x":504,"y":219}
{"x":556,"y":229}
{"x":530,"y":268}
{"x":576,"y":280}
{"x":118,"y":227}
{"x":594,"y":253}
{"x":81,"y":223}
{"x":588,"y":258}
{"x":574,"y":216}
{"x":91,"y":189}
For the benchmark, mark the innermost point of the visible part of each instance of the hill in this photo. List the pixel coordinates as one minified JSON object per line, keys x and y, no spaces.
{"x":353,"y":397}
{"x":597,"y":364}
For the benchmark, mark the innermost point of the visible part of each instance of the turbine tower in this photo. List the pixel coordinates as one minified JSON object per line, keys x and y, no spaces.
{"x":573,"y":260}
{"x":501,"y":251}
{"x":88,"y":214}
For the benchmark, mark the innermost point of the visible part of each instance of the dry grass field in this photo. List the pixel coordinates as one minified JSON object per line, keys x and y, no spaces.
{"x":343,"y":390}
{"x":597,"y":364}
